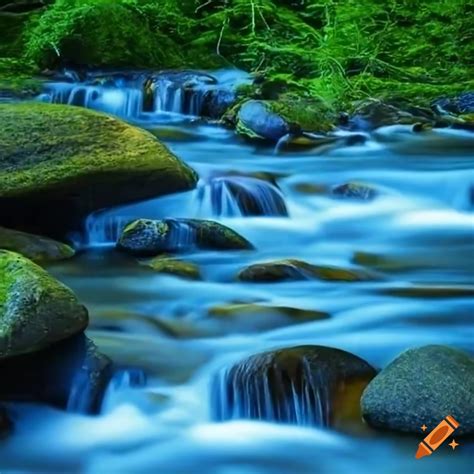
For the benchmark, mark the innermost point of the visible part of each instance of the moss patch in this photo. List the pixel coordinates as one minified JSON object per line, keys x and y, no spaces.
{"x":175,"y":267}
{"x":67,"y":161}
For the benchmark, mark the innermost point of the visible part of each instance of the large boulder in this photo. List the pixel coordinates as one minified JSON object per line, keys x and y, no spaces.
{"x":421,"y":387}
{"x":35,"y":247}
{"x":145,"y":237}
{"x":36,"y":310}
{"x":304,"y":385}
{"x":58,"y":163}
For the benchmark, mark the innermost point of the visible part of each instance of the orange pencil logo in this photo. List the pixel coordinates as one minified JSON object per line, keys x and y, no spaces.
{"x":437,"y":437}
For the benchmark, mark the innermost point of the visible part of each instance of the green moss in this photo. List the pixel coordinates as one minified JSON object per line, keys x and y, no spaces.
{"x":175,"y":267}
{"x":210,"y":234}
{"x":17,"y":78}
{"x":56,"y":149}
{"x":36,"y":248}
{"x":309,"y":114}
{"x":336,"y":51}
{"x":35,"y":309}
{"x":113,"y":33}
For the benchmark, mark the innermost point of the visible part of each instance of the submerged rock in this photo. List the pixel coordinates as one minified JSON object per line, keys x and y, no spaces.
{"x":36,"y":310}
{"x":173,"y":266}
{"x":37,"y":248}
{"x":251,"y":317}
{"x":430,"y":291}
{"x":421,"y":387}
{"x":254,"y":309}
{"x":5,"y":423}
{"x":59,"y":163}
{"x":357,"y":191}
{"x":145,"y":237}
{"x":305,"y":385}
{"x":71,"y":374}
{"x":291,"y":269}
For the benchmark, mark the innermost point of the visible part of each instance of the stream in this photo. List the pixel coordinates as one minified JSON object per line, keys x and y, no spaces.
{"x":161,"y":330}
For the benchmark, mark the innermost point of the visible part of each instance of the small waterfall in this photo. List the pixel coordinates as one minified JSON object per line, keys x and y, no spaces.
{"x":235,"y":196}
{"x":119,"y":387}
{"x":240,"y":392}
{"x":102,"y":229}
{"x":182,"y":235}
{"x":281,"y":143}
{"x":141,"y":96}
{"x":91,"y":373}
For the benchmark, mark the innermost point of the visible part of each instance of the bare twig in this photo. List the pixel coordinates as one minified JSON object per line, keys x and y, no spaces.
{"x":221,"y":34}
{"x":252,"y":4}
{"x":203,"y":5}
{"x":262,"y":17}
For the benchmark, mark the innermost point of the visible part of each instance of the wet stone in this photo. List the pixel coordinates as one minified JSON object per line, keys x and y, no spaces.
{"x":421,"y":387}
{"x":71,"y":375}
{"x":354,"y":191}
{"x":293,"y":270}
{"x":304,"y":385}
{"x":145,"y":237}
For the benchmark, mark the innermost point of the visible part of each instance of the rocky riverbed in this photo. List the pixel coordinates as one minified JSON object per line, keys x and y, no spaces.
{"x":280,"y":290}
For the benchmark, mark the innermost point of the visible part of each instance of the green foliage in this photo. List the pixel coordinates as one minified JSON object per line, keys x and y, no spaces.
{"x":98,"y":33}
{"x":336,"y":50}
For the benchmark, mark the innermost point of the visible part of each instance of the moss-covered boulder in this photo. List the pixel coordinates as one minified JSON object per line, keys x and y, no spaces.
{"x":35,"y":247}
{"x":272,"y":119}
{"x":421,"y":387}
{"x":304,"y":385}
{"x":145,"y":237}
{"x":173,"y":266}
{"x":59,"y":163}
{"x":35,"y":309}
{"x":72,"y":374}
{"x":292,"y":269}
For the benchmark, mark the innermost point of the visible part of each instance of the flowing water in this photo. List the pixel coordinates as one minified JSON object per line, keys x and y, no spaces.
{"x":159,"y":413}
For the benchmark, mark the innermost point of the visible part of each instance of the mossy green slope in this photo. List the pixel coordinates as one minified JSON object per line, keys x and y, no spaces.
{"x":35,"y":309}
{"x":68,"y":161}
